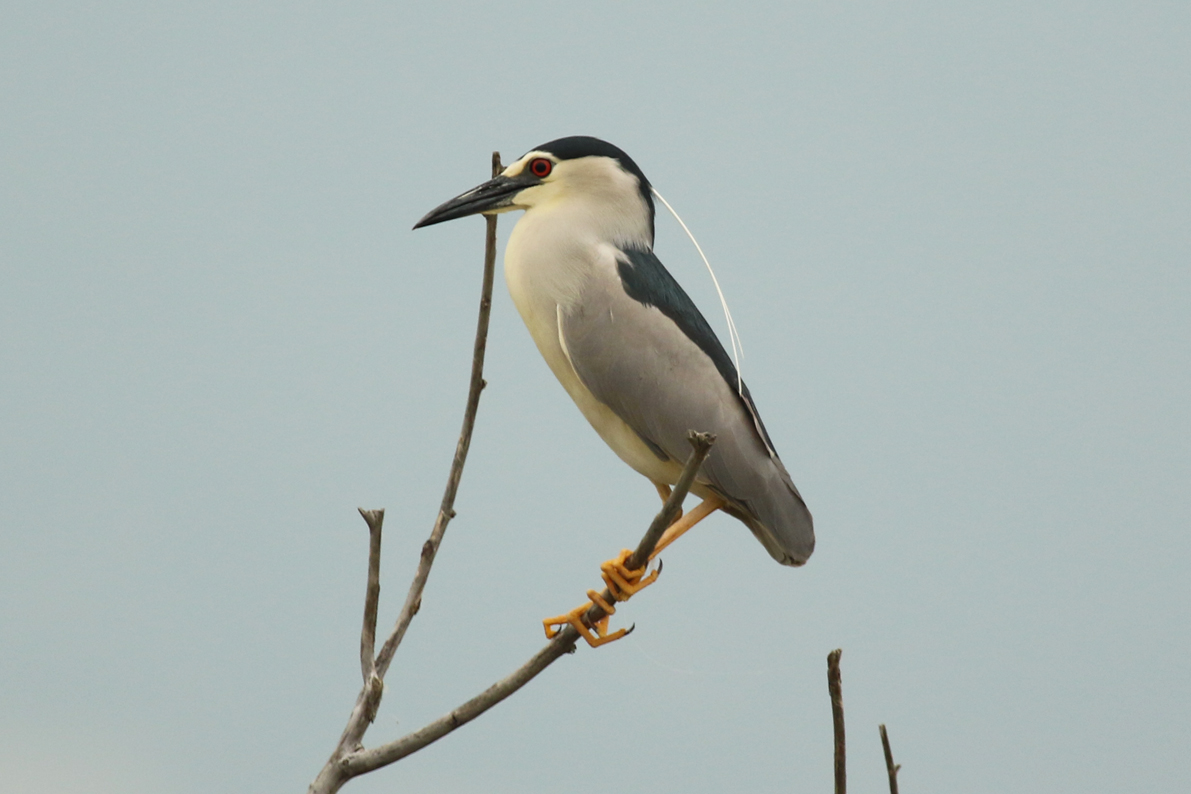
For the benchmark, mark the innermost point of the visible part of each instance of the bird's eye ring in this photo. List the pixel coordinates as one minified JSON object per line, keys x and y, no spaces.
{"x":540,"y":167}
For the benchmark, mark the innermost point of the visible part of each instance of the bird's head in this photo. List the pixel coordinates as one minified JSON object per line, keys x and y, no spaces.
{"x":579,"y":172}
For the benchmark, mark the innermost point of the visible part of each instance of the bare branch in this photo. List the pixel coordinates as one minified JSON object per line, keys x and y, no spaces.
{"x":837,"y":719}
{"x":331,"y":778}
{"x":363,"y":761}
{"x":890,"y":767}
{"x":413,"y":601}
{"x":375,"y":519}
{"x":368,"y":760}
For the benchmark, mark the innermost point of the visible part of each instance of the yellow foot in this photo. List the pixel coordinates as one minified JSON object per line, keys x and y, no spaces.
{"x":623,"y":583}
{"x":596,"y":638}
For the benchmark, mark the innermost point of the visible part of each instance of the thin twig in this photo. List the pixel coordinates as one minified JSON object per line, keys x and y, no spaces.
{"x":413,"y":601}
{"x":837,"y":719}
{"x":364,"y":761}
{"x":331,"y":777}
{"x":890,"y":767}
{"x":375,"y":519}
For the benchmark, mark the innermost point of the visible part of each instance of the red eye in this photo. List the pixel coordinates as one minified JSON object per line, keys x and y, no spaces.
{"x":540,"y":167}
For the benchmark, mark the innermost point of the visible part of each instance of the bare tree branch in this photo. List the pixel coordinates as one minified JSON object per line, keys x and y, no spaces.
{"x":363,"y":761}
{"x":837,"y":719}
{"x":331,"y":778}
{"x":375,"y":519}
{"x":413,"y":601}
{"x":890,"y":767}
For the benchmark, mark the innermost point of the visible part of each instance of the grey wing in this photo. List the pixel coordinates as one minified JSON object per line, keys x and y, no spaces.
{"x":649,"y":371}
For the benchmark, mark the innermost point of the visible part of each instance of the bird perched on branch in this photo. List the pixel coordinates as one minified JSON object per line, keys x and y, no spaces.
{"x":628,"y":344}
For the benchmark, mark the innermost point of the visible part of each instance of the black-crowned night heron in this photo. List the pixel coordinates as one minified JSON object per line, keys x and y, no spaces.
{"x":627,"y":343}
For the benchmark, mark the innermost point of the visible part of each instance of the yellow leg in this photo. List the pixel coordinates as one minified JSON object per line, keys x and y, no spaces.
{"x":676,"y":530}
{"x":623,"y":583}
{"x":575,"y":618}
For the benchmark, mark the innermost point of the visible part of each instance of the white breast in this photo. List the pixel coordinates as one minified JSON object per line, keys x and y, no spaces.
{"x":549,"y":262}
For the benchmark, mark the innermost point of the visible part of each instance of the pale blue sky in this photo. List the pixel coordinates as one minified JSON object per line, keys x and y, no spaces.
{"x":955,"y":241}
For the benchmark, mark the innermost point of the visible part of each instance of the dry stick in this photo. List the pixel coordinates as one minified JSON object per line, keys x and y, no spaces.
{"x":890,"y":767}
{"x":364,"y":761}
{"x":837,"y":719}
{"x":331,"y":777}
{"x":413,"y":601}
{"x":375,"y":519}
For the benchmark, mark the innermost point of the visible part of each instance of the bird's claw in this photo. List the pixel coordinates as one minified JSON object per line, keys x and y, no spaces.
{"x":597,"y":635}
{"x":622,"y":584}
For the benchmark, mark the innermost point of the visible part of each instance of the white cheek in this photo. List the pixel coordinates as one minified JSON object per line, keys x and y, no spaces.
{"x":537,"y":195}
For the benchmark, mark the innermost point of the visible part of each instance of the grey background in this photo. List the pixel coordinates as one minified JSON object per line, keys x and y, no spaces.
{"x":955,"y":240}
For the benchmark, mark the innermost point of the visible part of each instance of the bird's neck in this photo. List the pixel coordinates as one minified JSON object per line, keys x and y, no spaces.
{"x":555,"y":246}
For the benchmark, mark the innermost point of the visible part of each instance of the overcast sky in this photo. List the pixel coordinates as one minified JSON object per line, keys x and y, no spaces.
{"x":955,"y":240}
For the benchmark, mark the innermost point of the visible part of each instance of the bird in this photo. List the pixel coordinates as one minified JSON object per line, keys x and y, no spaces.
{"x":629,"y":345}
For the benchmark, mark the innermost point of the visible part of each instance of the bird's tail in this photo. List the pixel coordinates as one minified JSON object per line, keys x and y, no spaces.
{"x":779,"y":518}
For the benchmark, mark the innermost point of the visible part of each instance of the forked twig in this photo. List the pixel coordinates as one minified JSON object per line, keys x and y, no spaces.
{"x":363,"y":761}
{"x":330,"y":778}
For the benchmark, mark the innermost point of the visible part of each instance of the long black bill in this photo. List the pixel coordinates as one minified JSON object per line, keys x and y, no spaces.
{"x":495,"y":194}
